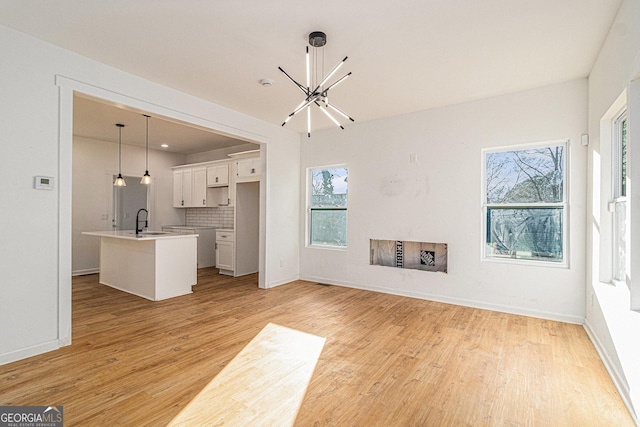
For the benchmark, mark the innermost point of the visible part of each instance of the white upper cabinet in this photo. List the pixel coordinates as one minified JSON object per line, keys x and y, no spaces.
{"x":190,"y":187}
{"x":218,"y":175}
{"x":199,"y":190}
{"x":248,"y":169}
{"x":182,"y":188}
{"x":212,"y":184}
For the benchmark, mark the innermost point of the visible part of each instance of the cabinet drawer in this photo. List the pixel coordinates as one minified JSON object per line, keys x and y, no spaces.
{"x":225,"y":236}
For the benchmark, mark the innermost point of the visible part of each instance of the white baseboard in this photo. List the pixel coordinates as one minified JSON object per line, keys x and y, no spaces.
{"x":618,"y":380}
{"x":14,"y":356}
{"x":456,"y":301}
{"x":85,"y":271}
{"x":282,"y":282}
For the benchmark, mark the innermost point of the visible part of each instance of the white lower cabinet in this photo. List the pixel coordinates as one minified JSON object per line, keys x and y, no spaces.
{"x":225,"y":241}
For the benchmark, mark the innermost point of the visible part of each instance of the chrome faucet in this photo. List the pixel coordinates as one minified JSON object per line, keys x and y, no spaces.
{"x":146,"y":220}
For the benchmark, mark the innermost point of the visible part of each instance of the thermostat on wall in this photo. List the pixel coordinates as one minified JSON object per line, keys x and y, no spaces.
{"x":44,"y":183}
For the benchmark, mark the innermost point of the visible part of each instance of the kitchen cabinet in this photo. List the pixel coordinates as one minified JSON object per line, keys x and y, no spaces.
{"x":190,"y":187}
{"x":153,"y":266}
{"x":220,"y":184}
{"x":218,"y":175}
{"x":225,"y":242}
{"x":248,"y":169}
{"x":182,"y":188}
{"x":199,"y":189}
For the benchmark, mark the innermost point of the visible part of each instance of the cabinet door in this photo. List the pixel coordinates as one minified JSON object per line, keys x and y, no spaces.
{"x":187,"y":188}
{"x":224,"y":255}
{"x":199,"y":189}
{"x":218,"y":175}
{"x":182,"y":187}
{"x":178,"y":201}
{"x":248,"y":169}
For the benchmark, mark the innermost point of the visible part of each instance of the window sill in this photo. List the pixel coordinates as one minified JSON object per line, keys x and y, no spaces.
{"x":328,"y":247}
{"x":525,"y":262}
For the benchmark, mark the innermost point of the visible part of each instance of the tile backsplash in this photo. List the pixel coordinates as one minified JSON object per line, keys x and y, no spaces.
{"x":221,"y":217}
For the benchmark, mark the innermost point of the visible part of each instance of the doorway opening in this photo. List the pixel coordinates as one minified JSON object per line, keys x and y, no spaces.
{"x":127,"y":201}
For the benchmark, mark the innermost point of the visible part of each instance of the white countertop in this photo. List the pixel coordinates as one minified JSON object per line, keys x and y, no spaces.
{"x":226,"y":230}
{"x":131,"y":235}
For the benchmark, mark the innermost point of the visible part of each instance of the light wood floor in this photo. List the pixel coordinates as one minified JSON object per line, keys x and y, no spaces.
{"x":387,"y":361}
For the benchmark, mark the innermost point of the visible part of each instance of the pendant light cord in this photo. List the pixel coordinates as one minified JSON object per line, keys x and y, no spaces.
{"x":120,"y":148}
{"x":147,"y":146}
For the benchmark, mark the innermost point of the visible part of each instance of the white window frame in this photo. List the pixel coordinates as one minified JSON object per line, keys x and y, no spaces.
{"x":618,"y":198}
{"x":564,"y":263}
{"x":309,"y":209}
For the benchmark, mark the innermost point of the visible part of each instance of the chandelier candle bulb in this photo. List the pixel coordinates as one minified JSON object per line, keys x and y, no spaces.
{"x":308,"y":71}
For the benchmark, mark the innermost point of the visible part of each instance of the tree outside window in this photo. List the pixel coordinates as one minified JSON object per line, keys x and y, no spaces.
{"x":328,"y":207}
{"x":525,"y":203}
{"x":621,"y":229}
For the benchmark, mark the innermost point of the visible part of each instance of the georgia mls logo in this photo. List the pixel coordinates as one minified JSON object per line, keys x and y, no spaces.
{"x":31,"y":416}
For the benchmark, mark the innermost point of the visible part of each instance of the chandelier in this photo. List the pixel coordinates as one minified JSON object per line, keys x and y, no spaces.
{"x":316,"y":92}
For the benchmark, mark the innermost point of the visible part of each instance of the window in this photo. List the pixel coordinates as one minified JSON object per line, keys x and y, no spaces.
{"x":525,"y":203}
{"x":620,"y":155}
{"x":621,"y":213}
{"x":328,"y":207}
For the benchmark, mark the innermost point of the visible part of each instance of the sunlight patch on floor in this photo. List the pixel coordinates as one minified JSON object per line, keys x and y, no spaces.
{"x":263,"y":385}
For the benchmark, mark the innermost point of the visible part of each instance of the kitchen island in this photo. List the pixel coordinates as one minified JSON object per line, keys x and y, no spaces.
{"x":152,"y":265}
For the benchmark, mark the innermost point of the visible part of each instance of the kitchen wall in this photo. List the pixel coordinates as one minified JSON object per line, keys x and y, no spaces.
{"x":612,"y":325}
{"x":94,"y":163}
{"x":220,"y":154}
{"x":438,"y":199}
{"x":36,"y":115}
{"x":221,"y":217}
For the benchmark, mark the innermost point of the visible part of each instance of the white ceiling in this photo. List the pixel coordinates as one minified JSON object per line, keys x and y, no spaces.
{"x":97,"y":119}
{"x":405,"y":55}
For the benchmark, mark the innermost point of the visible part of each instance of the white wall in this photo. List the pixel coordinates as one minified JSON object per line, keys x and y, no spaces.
{"x":282,"y":261}
{"x":37,"y":82}
{"x":94,"y":163}
{"x":439,"y":200}
{"x":612,"y":326}
{"x":219,"y":154}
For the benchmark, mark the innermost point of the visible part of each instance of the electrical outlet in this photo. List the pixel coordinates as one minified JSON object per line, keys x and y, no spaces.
{"x":104,"y":217}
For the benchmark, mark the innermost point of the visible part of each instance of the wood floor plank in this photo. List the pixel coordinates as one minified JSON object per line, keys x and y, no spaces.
{"x":263,"y":385}
{"x":387,"y":360}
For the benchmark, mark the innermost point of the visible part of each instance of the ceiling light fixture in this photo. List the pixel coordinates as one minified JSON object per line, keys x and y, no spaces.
{"x":315,"y":91}
{"x":146,"y":178}
{"x":119,"y":182}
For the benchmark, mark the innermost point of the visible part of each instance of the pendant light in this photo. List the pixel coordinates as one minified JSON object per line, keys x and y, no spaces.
{"x":146,"y":178}
{"x":119,"y":182}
